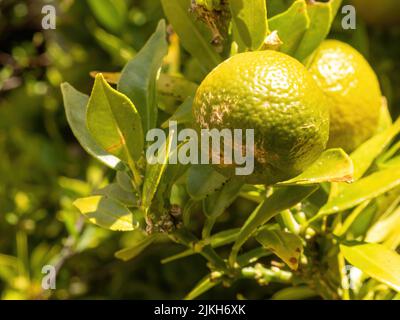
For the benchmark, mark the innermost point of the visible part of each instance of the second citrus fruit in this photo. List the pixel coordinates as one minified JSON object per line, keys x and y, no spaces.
{"x":353,"y":88}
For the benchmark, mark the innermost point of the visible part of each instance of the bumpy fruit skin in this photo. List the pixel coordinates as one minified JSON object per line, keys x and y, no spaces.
{"x":353,"y":88}
{"x":276,"y":96}
{"x":378,"y":12}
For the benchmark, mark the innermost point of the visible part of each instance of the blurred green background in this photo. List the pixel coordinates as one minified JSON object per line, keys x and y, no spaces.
{"x":43,"y":169}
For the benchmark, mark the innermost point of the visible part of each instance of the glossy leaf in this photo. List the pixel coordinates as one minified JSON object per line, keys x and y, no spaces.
{"x":291,"y":26}
{"x":286,"y":246}
{"x":334,"y":165}
{"x":75,"y":108}
{"x":106,"y":213}
{"x":375,"y":260}
{"x":361,"y":190}
{"x":114,"y":122}
{"x":250,"y":21}
{"x":139,"y":76}
{"x":282,"y":199}
{"x":194,"y":35}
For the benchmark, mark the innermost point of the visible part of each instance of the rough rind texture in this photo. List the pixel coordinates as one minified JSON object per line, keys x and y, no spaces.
{"x":276,"y":96}
{"x":352,"y":86}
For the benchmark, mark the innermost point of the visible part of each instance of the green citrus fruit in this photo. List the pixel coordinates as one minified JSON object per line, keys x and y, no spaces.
{"x":378,"y":12}
{"x":353,"y":88}
{"x":276,"y":96}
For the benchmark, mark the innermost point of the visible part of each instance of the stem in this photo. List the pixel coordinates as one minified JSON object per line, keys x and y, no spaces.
{"x":22,"y":254}
{"x":186,"y":238}
{"x":290,"y":222}
{"x":265,"y":275}
{"x":343,"y":277}
{"x":208,"y":226}
{"x":137,"y":178}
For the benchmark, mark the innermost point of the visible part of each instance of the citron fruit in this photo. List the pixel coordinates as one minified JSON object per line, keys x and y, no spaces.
{"x":378,"y":12}
{"x":275,"y":95}
{"x":353,"y":88}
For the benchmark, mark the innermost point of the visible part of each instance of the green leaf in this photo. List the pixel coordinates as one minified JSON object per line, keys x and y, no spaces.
{"x":183,"y":114}
{"x":320,"y":15}
{"x":364,"y":156}
{"x":250,"y":21}
{"x":202,"y":287}
{"x":375,"y":260}
{"x":367,"y":188}
{"x":395,"y":162}
{"x":286,"y":246}
{"x":154,"y":172}
{"x":116,"y":192}
{"x":75,"y":109}
{"x":334,"y":165}
{"x":252,"y":256}
{"x":176,"y":87}
{"x":124,"y":181}
{"x":139,"y":76}
{"x":113,"y":122}
{"x":195,"y":36}
{"x":291,"y":26}
{"x":203,"y":180}
{"x":282,"y":199}
{"x":110,"y":13}
{"x":107,"y":213}
{"x":385,"y":118}
{"x":167,"y":85}
{"x":132,"y":252}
